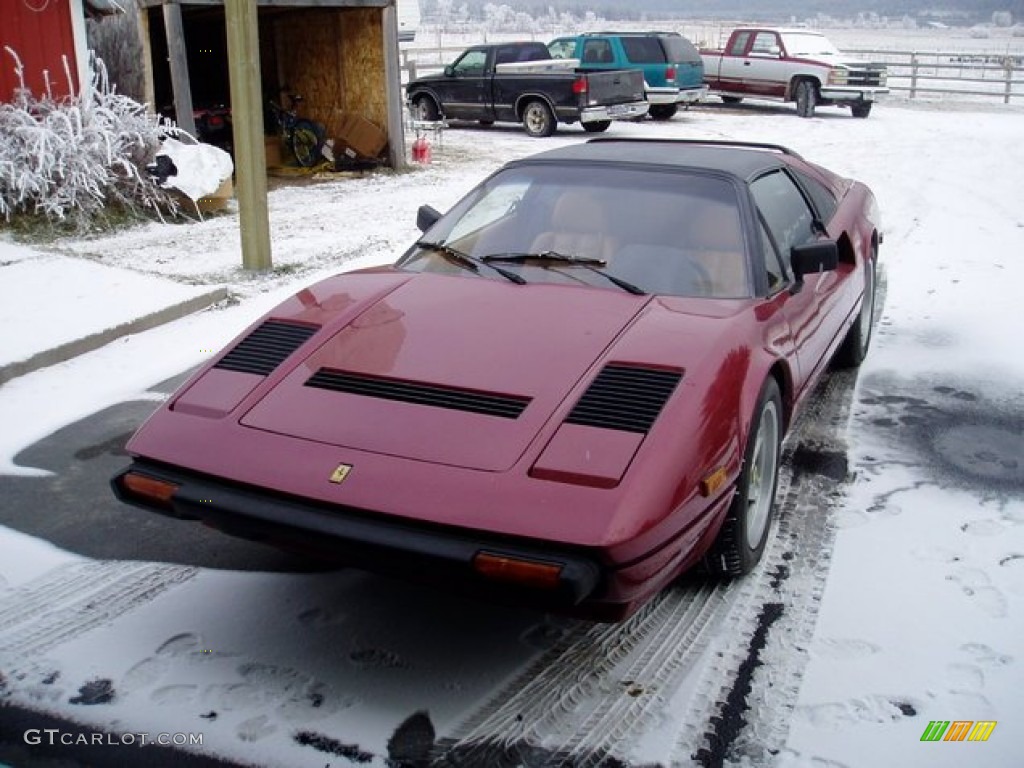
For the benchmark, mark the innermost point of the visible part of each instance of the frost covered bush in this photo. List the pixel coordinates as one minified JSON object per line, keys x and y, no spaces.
{"x":75,"y":160}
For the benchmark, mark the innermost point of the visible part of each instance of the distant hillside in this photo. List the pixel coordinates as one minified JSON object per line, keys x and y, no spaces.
{"x":953,"y":11}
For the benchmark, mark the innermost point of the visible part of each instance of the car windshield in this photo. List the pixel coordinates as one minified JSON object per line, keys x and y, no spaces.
{"x":807,"y":44}
{"x":666,"y":232}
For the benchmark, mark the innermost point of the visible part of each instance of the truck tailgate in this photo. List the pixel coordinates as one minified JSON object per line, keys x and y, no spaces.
{"x":614,"y":86}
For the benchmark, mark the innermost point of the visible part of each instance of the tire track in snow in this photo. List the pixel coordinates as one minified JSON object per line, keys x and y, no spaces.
{"x":754,"y":722}
{"x":591,"y":698}
{"x":75,"y":598}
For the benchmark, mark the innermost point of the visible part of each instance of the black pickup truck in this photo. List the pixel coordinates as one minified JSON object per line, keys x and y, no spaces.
{"x":519,"y":82}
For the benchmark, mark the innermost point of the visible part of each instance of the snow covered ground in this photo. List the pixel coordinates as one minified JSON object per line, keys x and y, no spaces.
{"x":922,"y":615}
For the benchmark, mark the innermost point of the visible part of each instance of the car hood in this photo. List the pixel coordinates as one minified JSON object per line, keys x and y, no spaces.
{"x":453,"y":370}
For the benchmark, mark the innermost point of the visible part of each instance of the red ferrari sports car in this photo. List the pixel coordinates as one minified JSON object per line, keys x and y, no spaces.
{"x":570,"y":390}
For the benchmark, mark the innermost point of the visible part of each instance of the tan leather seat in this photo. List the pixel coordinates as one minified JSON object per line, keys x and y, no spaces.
{"x":714,"y":239}
{"x":579,"y":227}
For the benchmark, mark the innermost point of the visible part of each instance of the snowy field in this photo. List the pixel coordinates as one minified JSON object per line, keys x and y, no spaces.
{"x":922,"y":613}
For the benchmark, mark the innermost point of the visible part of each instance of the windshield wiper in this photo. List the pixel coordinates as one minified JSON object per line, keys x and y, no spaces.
{"x":587,"y":262}
{"x":466,"y":261}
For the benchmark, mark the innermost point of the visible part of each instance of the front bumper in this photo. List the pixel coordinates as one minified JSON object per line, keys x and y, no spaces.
{"x":629,"y":111}
{"x":851,"y":95}
{"x":374,"y":542}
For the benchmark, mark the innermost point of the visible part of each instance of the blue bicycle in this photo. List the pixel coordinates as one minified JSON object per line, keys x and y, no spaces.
{"x":304,"y":138}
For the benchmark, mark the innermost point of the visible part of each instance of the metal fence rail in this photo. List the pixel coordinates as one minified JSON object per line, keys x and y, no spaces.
{"x":994,"y":75}
{"x":914,"y":73}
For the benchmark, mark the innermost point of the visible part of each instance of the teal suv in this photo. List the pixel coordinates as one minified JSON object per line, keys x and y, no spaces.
{"x":672,"y":67}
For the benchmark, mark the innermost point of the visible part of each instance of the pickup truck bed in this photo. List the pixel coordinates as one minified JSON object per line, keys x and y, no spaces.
{"x":517,"y":82}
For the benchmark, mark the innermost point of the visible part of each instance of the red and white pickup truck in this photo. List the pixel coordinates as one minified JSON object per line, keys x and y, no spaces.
{"x":792,"y":65}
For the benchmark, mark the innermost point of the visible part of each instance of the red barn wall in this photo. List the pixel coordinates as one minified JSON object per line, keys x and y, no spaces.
{"x":41,"y":33}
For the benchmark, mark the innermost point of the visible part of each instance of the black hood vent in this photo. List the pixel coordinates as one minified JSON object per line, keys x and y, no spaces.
{"x":625,"y":397}
{"x":266,"y":347}
{"x":436,"y":395}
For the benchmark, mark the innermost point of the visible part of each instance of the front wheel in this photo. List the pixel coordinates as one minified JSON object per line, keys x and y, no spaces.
{"x":662,"y":111}
{"x":306,"y":144}
{"x":806,"y":98}
{"x":596,"y":126}
{"x":425,"y":109}
{"x":744,"y":534}
{"x":858,"y":338}
{"x":538,"y":119}
{"x":862,"y":109}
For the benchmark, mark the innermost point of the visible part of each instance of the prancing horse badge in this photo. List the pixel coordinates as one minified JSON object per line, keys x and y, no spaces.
{"x":340,"y":473}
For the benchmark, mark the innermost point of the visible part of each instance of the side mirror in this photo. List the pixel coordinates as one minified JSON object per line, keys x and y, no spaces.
{"x":774,"y":50}
{"x":426,"y":217}
{"x":449,"y":71}
{"x":817,"y":256}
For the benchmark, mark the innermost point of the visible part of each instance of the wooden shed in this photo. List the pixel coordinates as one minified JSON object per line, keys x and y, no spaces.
{"x":341,"y":56}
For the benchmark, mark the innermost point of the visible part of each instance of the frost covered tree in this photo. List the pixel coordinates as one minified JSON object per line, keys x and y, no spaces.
{"x":79,"y":160}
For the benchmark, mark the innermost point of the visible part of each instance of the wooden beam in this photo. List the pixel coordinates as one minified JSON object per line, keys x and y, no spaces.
{"x":242,"y":23}
{"x":149,"y":86}
{"x":393,"y":88}
{"x":180,"y":83}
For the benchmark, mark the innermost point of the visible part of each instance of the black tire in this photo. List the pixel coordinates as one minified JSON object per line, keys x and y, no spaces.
{"x":662,"y":111}
{"x":306,"y":144}
{"x":425,"y":109}
{"x":806,"y":98}
{"x":744,"y":534}
{"x":863,"y":109}
{"x":731,"y":99}
{"x":538,"y":119}
{"x":596,"y":126}
{"x":855,"y":346}
{"x":486,"y":122}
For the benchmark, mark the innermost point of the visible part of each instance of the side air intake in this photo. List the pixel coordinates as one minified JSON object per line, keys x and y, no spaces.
{"x":435,"y":395}
{"x":266,"y":347}
{"x":625,"y":397}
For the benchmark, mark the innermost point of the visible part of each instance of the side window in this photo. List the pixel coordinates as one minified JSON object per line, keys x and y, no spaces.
{"x":472,"y":63}
{"x":564,"y":48}
{"x":643,"y":50}
{"x":597,"y":51}
{"x":739,"y":44}
{"x":764,"y":43}
{"x":820,"y":195}
{"x":772,"y":266}
{"x":784,"y":210}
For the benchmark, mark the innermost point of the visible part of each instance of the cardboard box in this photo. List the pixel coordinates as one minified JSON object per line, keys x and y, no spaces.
{"x":355,"y":136}
{"x":274,"y":151}
{"x":219,"y":199}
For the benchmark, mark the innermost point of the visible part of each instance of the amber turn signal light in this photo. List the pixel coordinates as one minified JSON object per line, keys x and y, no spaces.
{"x":710,"y":484}
{"x":528,"y":573}
{"x":149,"y":489}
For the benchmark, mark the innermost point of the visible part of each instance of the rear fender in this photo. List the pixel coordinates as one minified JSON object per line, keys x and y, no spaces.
{"x":526,"y":98}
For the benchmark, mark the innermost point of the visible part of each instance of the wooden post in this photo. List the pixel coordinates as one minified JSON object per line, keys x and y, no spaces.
{"x":1008,"y":68}
{"x":410,"y":65}
{"x":242,"y":23}
{"x":913,"y":74}
{"x":393,"y":88}
{"x":180,"y":83}
{"x":149,"y":88}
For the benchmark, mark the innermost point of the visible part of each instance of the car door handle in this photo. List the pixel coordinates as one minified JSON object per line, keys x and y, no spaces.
{"x":746,"y":63}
